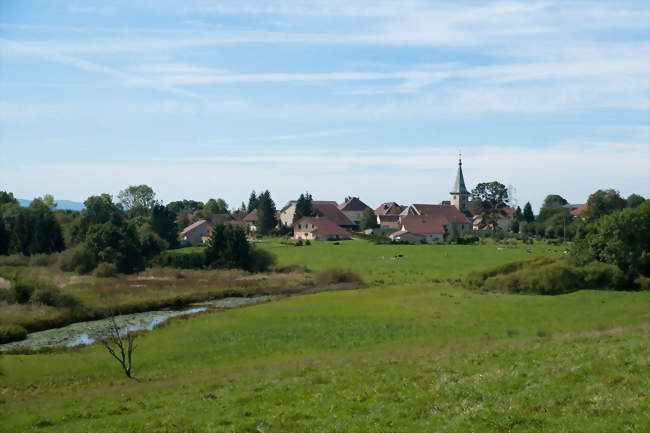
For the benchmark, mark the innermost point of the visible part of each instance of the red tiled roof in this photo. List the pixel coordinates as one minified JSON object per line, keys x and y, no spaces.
{"x":324,"y":226}
{"x":578,"y":211}
{"x":252,"y":216}
{"x":353,"y":204}
{"x":388,"y":218}
{"x":332,"y":212}
{"x":449,"y":212}
{"x":424,"y":224}
{"x":195,"y":225}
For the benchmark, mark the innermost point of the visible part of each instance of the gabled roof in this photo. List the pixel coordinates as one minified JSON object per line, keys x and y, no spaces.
{"x":449,"y":212}
{"x":353,"y":204}
{"x":424,"y":224}
{"x":332,"y":212}
{"x":252,"y":216}
{"x":385,"y":208}
{"x":196,"y":225}
{"x":577,"y":211}
{"x":323,"y":226}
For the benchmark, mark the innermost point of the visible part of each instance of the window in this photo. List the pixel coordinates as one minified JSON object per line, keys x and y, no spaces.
{"x":299,"y":226}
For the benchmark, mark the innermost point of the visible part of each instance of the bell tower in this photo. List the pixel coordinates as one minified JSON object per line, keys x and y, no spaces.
{"x":460,"y":195}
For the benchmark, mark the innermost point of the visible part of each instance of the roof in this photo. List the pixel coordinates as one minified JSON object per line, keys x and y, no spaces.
{"x":459,"y":185}
{"x":324,"y":226}
{"x":424,"y":224}
{"x":252,"y":216}
{"x":385,"y":208}
{"x":579,"y":210}
{"x":353,"y":204}
{"x":235,"y":223}
{"x":388,"y":218}
{"x":195,"y":225}
{"x":332,"y":212}
{"x":449,"y":212}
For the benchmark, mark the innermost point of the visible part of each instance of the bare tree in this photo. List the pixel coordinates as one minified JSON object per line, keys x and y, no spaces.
{"x":120,"y":345}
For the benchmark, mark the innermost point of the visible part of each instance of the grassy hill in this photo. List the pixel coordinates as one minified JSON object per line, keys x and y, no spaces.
{"x":410,"y":354}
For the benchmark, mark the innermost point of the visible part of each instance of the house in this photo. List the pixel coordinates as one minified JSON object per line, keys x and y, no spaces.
{"x":576,"y":209}
{"x":352,"y":208}
{"x":448,"y":213}
{"x":503,"y":222}
{"x":388,"y":223}
{"x":318,"y":229}
{"x":327,"y":209}
{"x":251,"y":220}
{"x":389,"y":208}
{"x":416,"y":228}
{"x":196,"y":233}
{"x":289,"y":210}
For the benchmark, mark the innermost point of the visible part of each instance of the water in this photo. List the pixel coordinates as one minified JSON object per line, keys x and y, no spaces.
{"x":82,"y":333}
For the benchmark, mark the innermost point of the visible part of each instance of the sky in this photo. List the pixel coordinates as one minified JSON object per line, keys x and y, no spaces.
{"x":202,"y":99}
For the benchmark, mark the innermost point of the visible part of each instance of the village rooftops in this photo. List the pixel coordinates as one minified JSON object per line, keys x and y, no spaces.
{"x":449,"y":212}
{"x":293,"y":202}
{"x":388,"y":208}
{"x":332,"y":212}
{"x":252,"y":216}
{"x":424,"y":224}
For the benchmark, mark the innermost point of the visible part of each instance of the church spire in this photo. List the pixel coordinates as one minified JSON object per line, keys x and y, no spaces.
{"x":459,"y":185}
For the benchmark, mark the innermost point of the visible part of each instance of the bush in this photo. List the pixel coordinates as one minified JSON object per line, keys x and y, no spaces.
{"x":261,"y":260}
{"x":78,"y":259}
{"x":171,"y":259}
{"x":643,"y":282}
{"x":299,"y":243}
{"x":12,"y":332}
{"x":307,"y":242}
{"x":336,"y":276}
{"x":105,"y":270}
{"x":43,"y":259}
{"x":51,"y":295}
{"x":14,"y":260}
{"x":298,"y":269}
{"x":22,"y":291}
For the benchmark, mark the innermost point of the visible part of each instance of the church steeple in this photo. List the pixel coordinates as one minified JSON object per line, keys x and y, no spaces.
{"x":460,"y":195}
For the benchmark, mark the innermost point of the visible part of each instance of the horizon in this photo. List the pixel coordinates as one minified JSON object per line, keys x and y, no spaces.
{"x":369,"y":99}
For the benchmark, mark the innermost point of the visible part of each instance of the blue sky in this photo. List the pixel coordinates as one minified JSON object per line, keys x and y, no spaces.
{"x":203,"y":99}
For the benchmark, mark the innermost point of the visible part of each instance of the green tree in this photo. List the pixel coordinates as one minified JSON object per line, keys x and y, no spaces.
{"x":623,"y":239}
{"x":214,"y":207}
{"x":116,"y":241}
{"x":138,"y":200}
{"x":303,"y":207}
{"x":7,"y":197}
{"x":553,"y":203}
{"x":48,"y":199}
{"x":489,"y":200}
{"x":266,"y":213}
{"x":368,"y":220}
{"x":635,"y":200}
{"x":253,"y":202}
{"x":99,"y":209}
{"x":228,"y":248}
{"x":529,"y":217}
{"x":603,"y":202}
{"x":163,"y":222}
{"x":4,"y":238}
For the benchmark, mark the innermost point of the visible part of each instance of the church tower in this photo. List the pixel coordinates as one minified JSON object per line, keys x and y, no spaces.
{"x":460,"y":195}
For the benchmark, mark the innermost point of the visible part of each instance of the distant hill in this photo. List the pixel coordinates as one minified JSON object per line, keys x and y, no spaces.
{"x":61,"y":204}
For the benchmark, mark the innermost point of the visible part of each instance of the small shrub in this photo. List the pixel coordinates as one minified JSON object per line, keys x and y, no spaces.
{"x":77,"y":259}
{"x":14,"y":260}
{"x":22,"y":291}
{"x":307,"y":242}
{"x":643,"y":282}
{"x":336,"y":276}
{"x":12,"y":332}
{"x":51,"y":295}
{"x":298,"y":269}
{"x":105,"y":270}
{"x":43,"y":259}
{"x":299,"y":243}
{"x":171,"y":259}
{"x":261,"y":260}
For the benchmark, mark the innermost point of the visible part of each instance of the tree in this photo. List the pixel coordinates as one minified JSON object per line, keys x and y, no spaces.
{"x":489,"y":201}
{"x":163,"y":222}
{"x":623,"y":239}
{"x":7,"y":197}
{"x":214,"y":207}
{"x":553,"y":203}
{"x":368,"y":219}
{"x":266,"y":210}
{"x":116,"y":241}
{"x":137,"y":199}
{"x":228,"y":248}
{"x":30,"y":230}
{"x":253,"y":202}
{"x":99,"y":209}
{"x":121,"y":345}
{"x":603,"y":202}
{"x":187,"y":205}
{"x":635,"y":200}
{"x":528,"y":215}
{"x":303,"y":207}
{"x":4,"y":238}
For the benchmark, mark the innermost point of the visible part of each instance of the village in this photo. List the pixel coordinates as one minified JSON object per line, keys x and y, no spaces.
{"x":332,"y":221}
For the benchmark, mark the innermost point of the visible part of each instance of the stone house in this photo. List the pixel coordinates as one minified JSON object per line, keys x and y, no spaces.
{"x":318,"y":229}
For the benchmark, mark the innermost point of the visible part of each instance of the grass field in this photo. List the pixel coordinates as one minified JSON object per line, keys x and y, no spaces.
{"x":411,"y":354}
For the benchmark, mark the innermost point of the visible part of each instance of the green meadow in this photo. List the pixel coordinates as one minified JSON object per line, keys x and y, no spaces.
{"x":412,"y":351}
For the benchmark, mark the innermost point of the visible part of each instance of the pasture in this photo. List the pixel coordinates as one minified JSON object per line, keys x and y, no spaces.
{"x":411,"y":353}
